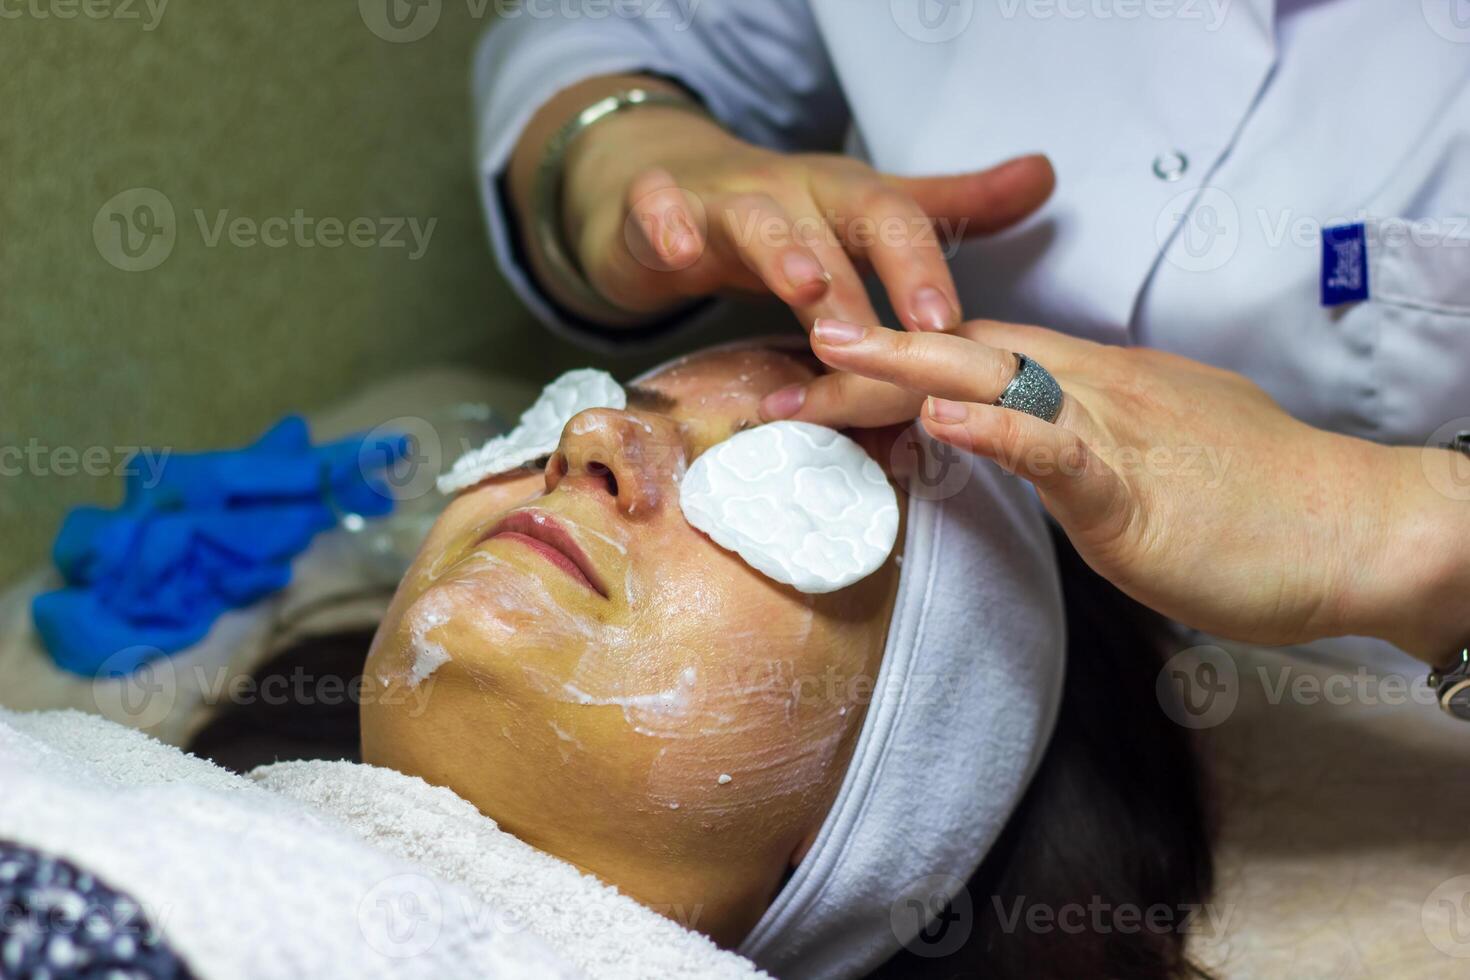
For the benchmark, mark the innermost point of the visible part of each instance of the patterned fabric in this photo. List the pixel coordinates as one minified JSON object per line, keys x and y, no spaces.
{"x":59,"y":922}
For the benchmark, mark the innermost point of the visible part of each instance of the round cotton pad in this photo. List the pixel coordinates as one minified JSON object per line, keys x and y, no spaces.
{"x":802,"y":504}
{"x":539,"y":431}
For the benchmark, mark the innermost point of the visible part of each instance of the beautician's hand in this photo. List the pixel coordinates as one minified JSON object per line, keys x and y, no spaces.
{"x":662,"y":205}
{"x":1189,"y":488}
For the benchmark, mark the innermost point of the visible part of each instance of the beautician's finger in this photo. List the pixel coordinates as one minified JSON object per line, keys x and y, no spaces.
{"x":1082,"y":492}
{"x":945,"y":365}
{"x":883,"y":225}
{"x":657,"y":251}
{"x":841,"y":401}
{"x":669,"y":230}
{"x":984,"y":201}
{"x":1055,"y":351}
{"x":754,"y":230}
{"x":846,"y":296}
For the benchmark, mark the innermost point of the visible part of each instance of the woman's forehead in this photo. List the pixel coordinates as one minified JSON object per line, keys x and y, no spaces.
{"x":705,"y":380}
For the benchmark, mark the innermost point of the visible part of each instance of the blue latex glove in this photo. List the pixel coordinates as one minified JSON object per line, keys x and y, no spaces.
{"x":210,"y":532}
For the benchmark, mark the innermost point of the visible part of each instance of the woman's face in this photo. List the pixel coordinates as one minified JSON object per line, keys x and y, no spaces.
{"x":611,"y":686}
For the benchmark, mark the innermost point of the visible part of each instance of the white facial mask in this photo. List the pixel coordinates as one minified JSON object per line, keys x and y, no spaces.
{"x":539,"y":431}
{"x":802,"y":504}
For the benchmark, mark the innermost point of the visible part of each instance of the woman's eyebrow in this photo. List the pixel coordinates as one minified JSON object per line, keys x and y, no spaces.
{"x":648,"y":400}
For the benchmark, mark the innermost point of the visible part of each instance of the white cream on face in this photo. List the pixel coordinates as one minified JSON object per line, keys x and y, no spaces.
{"x":428,"y":656}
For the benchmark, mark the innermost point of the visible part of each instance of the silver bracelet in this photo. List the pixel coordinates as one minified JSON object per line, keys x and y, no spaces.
{"x":547,"y":192}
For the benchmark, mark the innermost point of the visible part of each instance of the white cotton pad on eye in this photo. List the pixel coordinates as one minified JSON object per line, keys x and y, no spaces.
{"x":801,"y":503}
{"x":539,"y":431}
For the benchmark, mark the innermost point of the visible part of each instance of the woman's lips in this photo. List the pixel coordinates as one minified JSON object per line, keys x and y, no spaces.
{"x":542,"y":534}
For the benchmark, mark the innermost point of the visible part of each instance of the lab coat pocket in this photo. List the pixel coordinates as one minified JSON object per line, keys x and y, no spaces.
{"x":1423,"y":264}
{"x":1419,"y":298}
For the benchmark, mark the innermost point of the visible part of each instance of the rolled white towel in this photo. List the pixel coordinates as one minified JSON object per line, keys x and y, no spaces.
{"x":242,"y":882}
{"x":591,"y":924}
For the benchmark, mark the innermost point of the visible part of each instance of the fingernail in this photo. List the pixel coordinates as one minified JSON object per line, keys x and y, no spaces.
{"x":784,"y":403}
{"x":941,"y":410}
{"x":932,"y":310}
{"x":836,"y":332}
{"x":803,"y":270}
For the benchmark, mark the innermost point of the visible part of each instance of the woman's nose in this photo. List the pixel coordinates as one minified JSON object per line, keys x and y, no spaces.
{"x":634,"y":458}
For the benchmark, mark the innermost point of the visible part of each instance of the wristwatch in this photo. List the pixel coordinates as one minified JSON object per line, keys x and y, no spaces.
{"x":1451,"y":686}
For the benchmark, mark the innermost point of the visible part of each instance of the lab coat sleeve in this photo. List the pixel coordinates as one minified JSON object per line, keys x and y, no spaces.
{"x":759,"y":65}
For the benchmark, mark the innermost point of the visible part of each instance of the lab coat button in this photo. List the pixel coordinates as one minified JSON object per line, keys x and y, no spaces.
{"x":1170,"y":166}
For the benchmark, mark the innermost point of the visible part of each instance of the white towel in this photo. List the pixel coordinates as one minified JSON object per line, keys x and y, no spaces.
{"x":320,"y":870}
{"x":593,"y":925}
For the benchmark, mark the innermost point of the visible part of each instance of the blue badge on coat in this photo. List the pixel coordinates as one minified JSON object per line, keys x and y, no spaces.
{"x":1344,"y":264}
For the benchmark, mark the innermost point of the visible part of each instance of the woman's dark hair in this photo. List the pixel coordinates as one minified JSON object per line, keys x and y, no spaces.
{"x":1099,"y":870}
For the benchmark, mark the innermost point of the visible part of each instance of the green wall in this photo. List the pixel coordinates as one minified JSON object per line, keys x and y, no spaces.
{"x":258,"y":109}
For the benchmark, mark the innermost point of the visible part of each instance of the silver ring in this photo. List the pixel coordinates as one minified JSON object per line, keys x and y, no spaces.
{"x":1033,"y":390}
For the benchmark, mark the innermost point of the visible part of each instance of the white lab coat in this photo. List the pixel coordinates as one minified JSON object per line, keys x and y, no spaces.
{"x":1200,"y":145}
